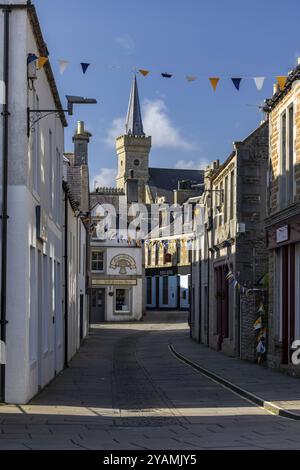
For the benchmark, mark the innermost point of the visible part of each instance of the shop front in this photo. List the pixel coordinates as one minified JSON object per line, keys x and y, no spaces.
{"x":284,"y":245}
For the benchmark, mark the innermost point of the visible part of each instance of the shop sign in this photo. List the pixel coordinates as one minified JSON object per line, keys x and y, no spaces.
{"x":282,"y":234}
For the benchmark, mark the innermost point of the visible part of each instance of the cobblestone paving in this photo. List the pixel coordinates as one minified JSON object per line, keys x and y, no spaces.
{"x":125,"y":390}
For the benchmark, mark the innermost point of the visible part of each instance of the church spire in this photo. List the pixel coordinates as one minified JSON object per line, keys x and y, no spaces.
{"x":134,"y":123}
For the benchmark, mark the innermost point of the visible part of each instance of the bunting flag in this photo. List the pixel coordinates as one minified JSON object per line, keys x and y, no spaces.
{"x":84,"y":66}
{"x":191,"y":78}
{"x":261,"y":309}
{"x":31,"y":58}
{"x":261,"y":348}
{"x":236,"y":82}
{"x":259,"y":82}
{"x":258,"y":324}
{"x":214,"y":82}
{"x":41,"y":62}
{"x":63,"y":64}
{"x":281,"y":80}
{"x":262,"y":334}
{"x":144,"y":72}
{"x":166,"y":75}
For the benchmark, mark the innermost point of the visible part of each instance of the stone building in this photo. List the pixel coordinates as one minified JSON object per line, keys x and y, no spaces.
{"x":137,"y":182}
{"x":283,"y":222}
{"x":230,"y":254}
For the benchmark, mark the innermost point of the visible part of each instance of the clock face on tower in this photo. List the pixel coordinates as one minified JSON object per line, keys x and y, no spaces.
{"x":136,"y":162}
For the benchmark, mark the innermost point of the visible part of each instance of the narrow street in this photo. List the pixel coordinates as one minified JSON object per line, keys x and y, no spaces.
{"x":126,"y":390}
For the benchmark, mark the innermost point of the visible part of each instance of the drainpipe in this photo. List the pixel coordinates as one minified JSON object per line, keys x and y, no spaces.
{"x":4,"y":216}
{"x":66,"y":262}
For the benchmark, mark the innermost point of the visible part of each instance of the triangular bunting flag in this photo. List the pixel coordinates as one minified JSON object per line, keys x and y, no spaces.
{"x":258,"y":324}
{"x":214,"y":82}
{"x":236,"y":82}
{"x":31,"y":58}
{"x":259,"y":82}
{"x":166,"y":75}
{"x":84,"y":66}
{"x":63,"y":64}
{"x":281,"y":81}
{"x":144,"y":72}
{"x":191,"y":78}
{"x":42,"y":61}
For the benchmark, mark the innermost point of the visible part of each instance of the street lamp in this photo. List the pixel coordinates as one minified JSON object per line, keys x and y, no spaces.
{"x":36,"y":115}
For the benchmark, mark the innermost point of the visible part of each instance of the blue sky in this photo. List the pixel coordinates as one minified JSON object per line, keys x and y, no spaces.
{"x":191,"y":125}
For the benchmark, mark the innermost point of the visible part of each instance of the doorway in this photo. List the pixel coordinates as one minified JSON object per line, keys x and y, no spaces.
{"x":222,"y":303}
{"x":98,"y":306}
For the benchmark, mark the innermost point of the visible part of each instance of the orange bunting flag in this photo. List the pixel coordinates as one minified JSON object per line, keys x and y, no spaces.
{"x":281,"y":81}
{"x":214,"y":82}
{"x":42,"y":61}
{"x":144,"y":72}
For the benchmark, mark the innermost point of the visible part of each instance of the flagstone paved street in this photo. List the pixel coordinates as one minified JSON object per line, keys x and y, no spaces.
{"x":126,"y":390}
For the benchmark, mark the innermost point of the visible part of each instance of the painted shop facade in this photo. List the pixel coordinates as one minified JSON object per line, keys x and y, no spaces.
{"x":116,"y":271}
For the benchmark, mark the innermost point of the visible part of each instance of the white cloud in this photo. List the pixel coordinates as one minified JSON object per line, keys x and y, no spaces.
{"x":191,"y":164}
{"x":157,"y":123}
{"x":106,"y":178}
{"x":116,"y":129}
{"x":126,"y":42}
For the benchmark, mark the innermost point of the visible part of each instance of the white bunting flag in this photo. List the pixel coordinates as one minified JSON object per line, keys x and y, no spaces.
{"x":63,"y":64}
{"x":259,"y":82}
{"x":191,"y":78}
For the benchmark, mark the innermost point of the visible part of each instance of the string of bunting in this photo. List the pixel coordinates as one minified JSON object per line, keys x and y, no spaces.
{"x":214,"y":80}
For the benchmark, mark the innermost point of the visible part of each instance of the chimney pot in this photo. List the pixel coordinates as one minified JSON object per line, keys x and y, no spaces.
{"x":275,"y":88}
{"x":80,"y":127}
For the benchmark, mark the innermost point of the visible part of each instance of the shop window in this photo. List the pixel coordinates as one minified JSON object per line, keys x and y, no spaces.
{"x":165,"y":290}
{"x":122,"y":300}
{"x":97,"y":261}
{"x":149,"y":290}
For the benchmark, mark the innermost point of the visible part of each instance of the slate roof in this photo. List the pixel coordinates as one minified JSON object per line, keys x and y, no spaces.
{"x":74,"y":182}
{"x":134,"y":124}
{"x":163,"y":181}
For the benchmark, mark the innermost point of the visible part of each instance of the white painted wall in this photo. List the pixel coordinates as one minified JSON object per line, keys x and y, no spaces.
{"x":34,"y":342}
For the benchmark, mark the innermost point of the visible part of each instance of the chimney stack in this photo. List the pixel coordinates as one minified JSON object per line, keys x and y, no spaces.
{"x":81,"y":141}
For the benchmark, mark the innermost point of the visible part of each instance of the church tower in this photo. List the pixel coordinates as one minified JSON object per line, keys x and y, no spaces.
{"x":133,"y":150}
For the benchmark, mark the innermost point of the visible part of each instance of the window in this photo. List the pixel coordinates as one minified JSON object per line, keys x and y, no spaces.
{"x":178,"y":252}
{"x":149,"y":290}
{"x":221,"y":215}
{"x":157,"y":254}
{"x":290,"y":195}
{"x":226,"y":200}
{"x":165,"y":290}
{"x":149,"y":255}
{"x":122,"y":300}
{"x":286,"y":186}
{"x":51,"y":170}
{"x":232,"y":189}
{"x":98,"y":261}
